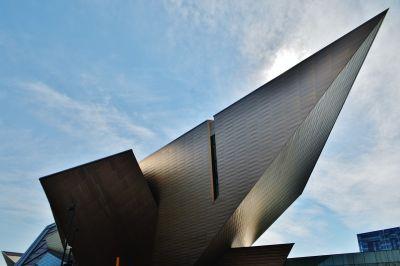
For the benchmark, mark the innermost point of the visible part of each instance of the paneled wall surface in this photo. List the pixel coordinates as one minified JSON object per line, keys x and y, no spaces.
{"x":266,"y":147}
{"x":285,"y":178}
{"x":180,"y":175}
{"x":250,"y":134}
{"x":115,"y":212}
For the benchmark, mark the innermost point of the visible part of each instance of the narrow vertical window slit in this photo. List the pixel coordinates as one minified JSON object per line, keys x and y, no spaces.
{"x":214,"y":167}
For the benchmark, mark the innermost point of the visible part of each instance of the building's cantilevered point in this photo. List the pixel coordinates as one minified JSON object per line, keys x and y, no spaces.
{"x":290,"y":119}
{"x":222,"y":184}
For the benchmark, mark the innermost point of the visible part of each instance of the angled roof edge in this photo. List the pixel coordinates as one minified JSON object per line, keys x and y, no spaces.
{"x":84,"y":164}
{"x":11,"y":253}
{"x":35,"y":243}
{"x":177,"y":138}
{"x":11,"y":257}
{"x":377,"y":17}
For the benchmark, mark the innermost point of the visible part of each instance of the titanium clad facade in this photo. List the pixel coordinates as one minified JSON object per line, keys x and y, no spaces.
{"x":286,"y":177}
{"x":115,"y":212}
{"x":219,"y":186}
{"x":180,"y":174}
{"x":251,"y":133}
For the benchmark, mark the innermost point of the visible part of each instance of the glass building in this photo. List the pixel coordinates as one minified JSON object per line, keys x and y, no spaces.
{"x":386,"y":239}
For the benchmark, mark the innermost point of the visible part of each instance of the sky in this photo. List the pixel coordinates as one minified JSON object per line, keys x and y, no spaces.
{"x":80,"y":80}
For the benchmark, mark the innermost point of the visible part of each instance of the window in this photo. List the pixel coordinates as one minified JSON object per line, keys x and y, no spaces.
{"x":214,"y":167}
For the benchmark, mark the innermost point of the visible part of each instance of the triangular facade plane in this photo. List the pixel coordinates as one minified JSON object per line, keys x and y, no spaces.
{"x":204,"y":198}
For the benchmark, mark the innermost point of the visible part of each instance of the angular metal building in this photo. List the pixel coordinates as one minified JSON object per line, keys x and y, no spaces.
{"x":204,"y":198}
{"x":45,"y":250}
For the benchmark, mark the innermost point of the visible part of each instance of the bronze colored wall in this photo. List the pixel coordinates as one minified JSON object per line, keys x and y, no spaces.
{"x":115,"y":212}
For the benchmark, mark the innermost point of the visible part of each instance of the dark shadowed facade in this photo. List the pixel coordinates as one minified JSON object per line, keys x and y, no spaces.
{"x":106,"y":210}
{"x":204,"y":198}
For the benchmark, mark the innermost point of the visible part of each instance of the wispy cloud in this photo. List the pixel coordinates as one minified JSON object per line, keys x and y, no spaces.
{"x":226,"y":49}
{"x":362,"y":189}
{"x":256,"y":32}
{"x":100,"y":125}
{"x":357,"y":176}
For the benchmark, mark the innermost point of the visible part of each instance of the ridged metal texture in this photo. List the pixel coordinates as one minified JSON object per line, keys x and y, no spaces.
{"x":266,"y":145}
{"x":54,"y":243}
{"x":180,"y":176}
{"x":274,"y":255}
{"x":250,"y":134}
{"x":115,"y":211}
{"x":285,"y":178}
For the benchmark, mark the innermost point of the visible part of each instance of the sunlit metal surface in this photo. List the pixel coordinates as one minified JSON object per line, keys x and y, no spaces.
{"x":266,"y":146}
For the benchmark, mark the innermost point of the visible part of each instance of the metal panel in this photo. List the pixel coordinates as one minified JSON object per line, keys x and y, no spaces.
{"x":274,"y":255}
{"x":285,"y":178}
{"x":267,"y":144}
{"x":250,"y":134}
{"x":54,"y":243}
{"x":180,"y":174}
{"x":115,"y":211}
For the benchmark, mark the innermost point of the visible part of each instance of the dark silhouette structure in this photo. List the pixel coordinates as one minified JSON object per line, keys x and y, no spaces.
{"x":204,"y":198}
{"x":104,"y":209}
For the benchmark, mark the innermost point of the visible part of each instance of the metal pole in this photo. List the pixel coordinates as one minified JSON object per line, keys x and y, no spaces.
{"x":71,"y":211}
{"x":72,"y":242}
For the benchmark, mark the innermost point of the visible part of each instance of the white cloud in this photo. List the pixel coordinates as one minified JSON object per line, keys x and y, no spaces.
{"x":99,"y":125}
{"x":258,"y":31}
{"x":298,"y":223}
{"x":363,"y":191}
{"x":284,"y":59}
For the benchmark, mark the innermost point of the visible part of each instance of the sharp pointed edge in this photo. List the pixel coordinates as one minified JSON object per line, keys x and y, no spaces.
{"x":249,"y":223}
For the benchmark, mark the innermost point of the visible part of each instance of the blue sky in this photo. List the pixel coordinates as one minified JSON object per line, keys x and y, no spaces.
{"x":80,"y":80}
